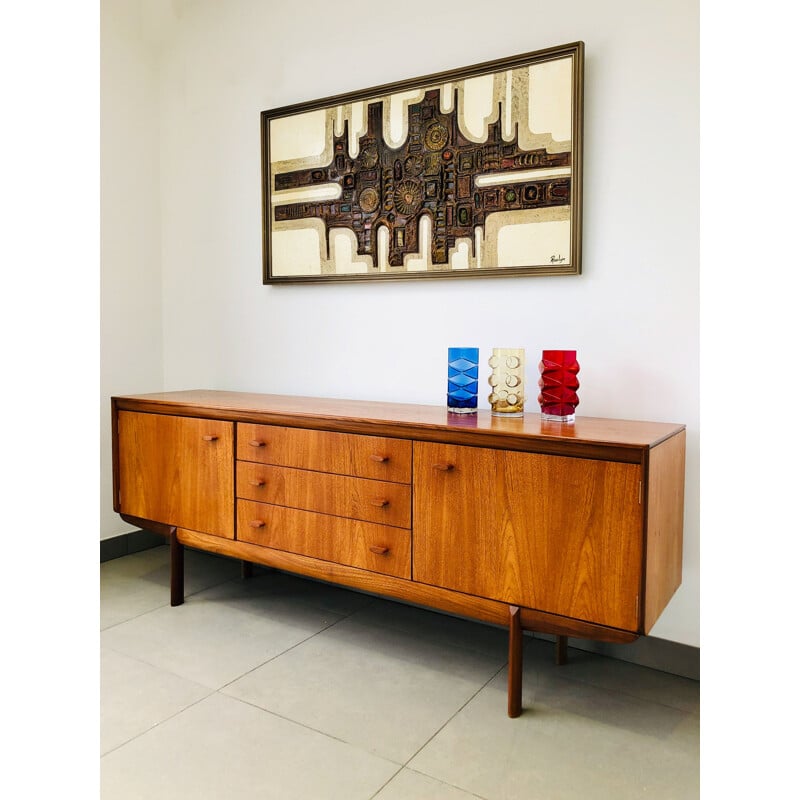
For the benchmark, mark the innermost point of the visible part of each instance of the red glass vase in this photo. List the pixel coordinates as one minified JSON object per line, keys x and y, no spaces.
{"x":559,"y":385}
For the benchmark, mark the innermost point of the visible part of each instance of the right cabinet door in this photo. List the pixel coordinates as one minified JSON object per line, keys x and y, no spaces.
{"x":557,"y":534}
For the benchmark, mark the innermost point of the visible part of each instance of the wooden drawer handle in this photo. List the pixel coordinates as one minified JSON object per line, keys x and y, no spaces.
{"x":380,"y":502}
{"x":444,"y":467}
{"x":379,"y":459}
{"x":257,"y":523}
{"x":257,"y":483}
{"x":256,"y":443}
{"x":378,"y":550}
{"x":211,"y":437}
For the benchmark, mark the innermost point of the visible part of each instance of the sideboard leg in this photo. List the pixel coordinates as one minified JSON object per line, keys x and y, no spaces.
{"x":514,"y":662}
{"x":561,"y":650}
{"x":175,"y":569}
{"x":247,"y":570}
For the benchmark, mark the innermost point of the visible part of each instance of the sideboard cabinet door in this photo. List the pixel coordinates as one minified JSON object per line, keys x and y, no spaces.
{"x":552,"y":533}
{"x":177,"y":470}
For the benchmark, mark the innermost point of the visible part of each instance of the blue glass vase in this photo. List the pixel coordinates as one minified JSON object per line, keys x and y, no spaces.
{"x":462,"y":380}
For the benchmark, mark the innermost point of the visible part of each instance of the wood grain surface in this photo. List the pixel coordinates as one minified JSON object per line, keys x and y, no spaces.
{"x":177,"y":471}
{"x":357,"y":498}
{"x":664,"y":559}
{"x":620,"y":440}
{"x":562,"y":535}
{"x":390,"y":586}
{"x":379,"y":548}
{"x":375,"y":457}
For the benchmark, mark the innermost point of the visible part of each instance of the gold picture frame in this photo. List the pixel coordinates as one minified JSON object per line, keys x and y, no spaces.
{"x":473,"y":172}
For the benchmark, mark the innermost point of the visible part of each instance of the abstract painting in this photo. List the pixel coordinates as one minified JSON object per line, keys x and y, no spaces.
{"x":474,"y":172}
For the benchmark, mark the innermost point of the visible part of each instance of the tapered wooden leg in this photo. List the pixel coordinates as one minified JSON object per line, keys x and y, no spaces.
{"x":561,"y":650}
{"x":175,"y":569}
{"x":514,"y":662}
{"x":247,"y":570}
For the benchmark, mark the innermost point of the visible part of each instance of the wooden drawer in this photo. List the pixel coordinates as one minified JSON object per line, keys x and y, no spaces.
{"x":374,"y":457}
{"x":357,"y":498}
{"x":378,"y":548}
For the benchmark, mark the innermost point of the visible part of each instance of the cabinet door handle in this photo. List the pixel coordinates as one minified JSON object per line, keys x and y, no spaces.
{"x":378,"y":550}
{"x":444,"y":467}
{"x":380,"y":502}
{"x":257,"y":482}
{"x":257,"y":523}
{"x":211,"y":437}
{"x":256,"y":443}
{"x":379,"y":459}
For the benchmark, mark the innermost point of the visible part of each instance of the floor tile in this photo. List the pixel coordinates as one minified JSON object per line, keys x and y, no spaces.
{"x":223,"y":749}
{"x":136,"y":565}
{"x":410,"y":785}
{"x":309,"y":592}
{"x":138,"y":583}
{"x":436,"y":627}
{"x":385,"y":690}
{"x":135,"y":696}
{"x":323,"y":693}
{"x":573,"y":741}
{"x":217,"y":635}
{"x":622,"y":676}
{"x":133,"y":585}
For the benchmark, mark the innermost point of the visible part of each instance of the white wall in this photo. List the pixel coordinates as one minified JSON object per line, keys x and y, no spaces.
{"x":131,"y":304}
{"x":632,"y":315}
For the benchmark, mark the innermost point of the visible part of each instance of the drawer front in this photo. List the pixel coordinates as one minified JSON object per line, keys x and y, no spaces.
{"x":357,"y":498}
{"x":378,"y":548}
{"x":373,"y":457}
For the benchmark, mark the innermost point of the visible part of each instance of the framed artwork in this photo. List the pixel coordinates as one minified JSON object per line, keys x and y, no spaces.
{"x":474,"y":172}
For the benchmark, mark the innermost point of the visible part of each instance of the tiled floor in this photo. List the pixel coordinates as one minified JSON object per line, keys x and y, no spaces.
{"x":278,"y":687}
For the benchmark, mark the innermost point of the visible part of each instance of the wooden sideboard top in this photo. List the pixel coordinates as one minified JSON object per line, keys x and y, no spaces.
{"x":614,"y":439}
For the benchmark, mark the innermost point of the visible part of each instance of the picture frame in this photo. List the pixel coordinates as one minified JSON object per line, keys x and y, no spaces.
{"x":472,"y":172}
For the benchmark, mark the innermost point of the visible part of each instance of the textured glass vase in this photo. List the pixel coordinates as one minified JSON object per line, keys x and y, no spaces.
{"x":462,"y":380}
{"x":507,"y":380}
{"x":559,"y":385}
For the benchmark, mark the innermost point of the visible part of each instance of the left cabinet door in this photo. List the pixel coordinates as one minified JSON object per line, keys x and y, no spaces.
{"x":177,"y":470}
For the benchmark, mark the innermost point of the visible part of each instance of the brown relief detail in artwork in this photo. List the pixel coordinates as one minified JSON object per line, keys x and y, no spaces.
{"x":433,"y":173}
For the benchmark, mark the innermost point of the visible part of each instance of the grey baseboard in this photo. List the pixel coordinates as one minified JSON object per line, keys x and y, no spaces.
{"x":127,"y":543}
{"x":646,"y":651}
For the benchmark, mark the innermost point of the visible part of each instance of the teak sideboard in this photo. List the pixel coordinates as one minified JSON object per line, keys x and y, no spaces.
{"x":566,"y":529}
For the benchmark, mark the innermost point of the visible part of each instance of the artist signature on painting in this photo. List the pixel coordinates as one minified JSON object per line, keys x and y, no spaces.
{"x":557,"y":259}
